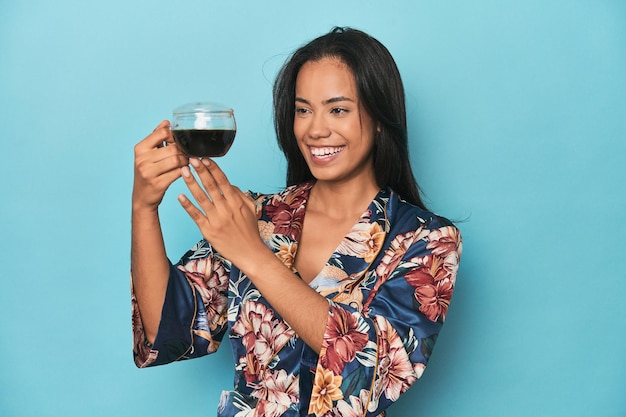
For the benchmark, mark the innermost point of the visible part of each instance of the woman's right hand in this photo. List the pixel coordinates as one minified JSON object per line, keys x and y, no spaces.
{"x":157,"y":165}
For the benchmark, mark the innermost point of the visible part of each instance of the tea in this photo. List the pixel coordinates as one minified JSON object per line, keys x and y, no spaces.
{"x":196,"y":142}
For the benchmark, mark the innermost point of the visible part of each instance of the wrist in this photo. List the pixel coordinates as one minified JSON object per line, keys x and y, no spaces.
{"x":144,"y":218}
{"x":139,"y":208}
{"x":265,"y":264}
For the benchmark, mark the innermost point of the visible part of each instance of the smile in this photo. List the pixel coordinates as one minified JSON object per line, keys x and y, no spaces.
{"x":326,"y":152}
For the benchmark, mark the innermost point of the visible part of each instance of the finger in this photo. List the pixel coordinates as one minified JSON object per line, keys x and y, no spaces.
{"x":208,"y":182}
{"x":170,"y":136}
{"x":171,"y":163}
{"x":220,"y":179}
{"x":160,"y":135}
{"x":196,"y":215}
{"x":166,"y":179}
{"x":151,"y":181}
{"x":164,"y":129}
{"x":197,"y":191}
{"x":163,"y":123}
{"x":159,"y":161}
{"x":170,"y":151}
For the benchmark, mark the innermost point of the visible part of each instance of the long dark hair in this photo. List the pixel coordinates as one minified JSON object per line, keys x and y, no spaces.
{"x":381,"y":93}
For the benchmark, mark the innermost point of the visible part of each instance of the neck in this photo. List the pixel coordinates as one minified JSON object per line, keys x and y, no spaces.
{"x":341,"y":200}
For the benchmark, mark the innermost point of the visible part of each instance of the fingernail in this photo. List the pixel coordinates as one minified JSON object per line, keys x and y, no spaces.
{"x":185,"y":171}
{"x":206,"y":162}
{"x":182,"y":198}
{"x":194,"y":162}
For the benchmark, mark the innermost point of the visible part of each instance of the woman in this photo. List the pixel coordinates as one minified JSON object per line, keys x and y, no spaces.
{"x":332,"y":291}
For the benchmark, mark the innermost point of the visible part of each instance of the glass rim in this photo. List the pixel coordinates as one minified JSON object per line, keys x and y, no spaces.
{"x":203,"y":107}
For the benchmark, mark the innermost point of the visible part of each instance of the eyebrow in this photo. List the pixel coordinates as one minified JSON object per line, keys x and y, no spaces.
{"x":327,"y":101}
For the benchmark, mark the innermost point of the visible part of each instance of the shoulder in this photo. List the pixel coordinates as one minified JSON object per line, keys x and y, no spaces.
{"x":293,"y":195}
{"x":403,"y":212}
{"x":424,"y":231}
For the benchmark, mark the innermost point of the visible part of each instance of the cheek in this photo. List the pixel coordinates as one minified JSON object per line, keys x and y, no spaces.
{"x":298,"y":129}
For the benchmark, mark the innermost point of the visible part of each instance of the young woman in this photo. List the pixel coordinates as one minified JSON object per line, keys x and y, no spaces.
{"x":332,"y":291}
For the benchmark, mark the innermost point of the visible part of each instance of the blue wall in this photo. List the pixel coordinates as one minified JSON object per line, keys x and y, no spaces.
{"x":517,"y":114}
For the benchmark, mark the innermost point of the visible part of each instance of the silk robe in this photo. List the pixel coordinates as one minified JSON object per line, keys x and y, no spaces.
{"x":388,"y":286}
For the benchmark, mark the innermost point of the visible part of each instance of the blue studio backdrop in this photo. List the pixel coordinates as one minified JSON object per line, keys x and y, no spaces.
{"x":517,"y":118}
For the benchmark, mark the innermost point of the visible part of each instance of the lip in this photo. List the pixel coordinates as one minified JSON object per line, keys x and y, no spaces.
{"x":325,"y":154}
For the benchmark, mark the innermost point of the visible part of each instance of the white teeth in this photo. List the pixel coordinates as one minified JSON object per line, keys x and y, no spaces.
{"x":327,"y":151}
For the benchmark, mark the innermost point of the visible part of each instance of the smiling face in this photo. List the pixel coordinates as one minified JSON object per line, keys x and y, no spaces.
{"x":334,"y":132}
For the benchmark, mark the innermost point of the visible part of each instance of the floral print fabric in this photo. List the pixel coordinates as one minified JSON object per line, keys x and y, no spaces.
{"x":389,"y":285}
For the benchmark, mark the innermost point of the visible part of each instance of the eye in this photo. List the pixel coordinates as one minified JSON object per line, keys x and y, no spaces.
{"x":339,"y":111}
{"x":301,"y":111}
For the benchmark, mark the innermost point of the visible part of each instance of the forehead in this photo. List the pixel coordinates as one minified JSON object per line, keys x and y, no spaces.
{"x":327,"y":76}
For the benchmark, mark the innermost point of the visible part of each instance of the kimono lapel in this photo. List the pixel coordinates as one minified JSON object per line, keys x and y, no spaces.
{"x":353,"y":258}
{"x":281,"y":223}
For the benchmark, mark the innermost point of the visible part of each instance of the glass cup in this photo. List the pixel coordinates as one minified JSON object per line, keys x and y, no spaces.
{"x":204,"y":128}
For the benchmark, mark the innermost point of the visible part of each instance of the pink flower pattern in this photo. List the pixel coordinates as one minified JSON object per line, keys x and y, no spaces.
{"x":277,"y":387}
{"x":286,"y":211}
{"x":434,"y":277}
{"x":395,"y":374}
{"x":354,"y":407}
{"x":343,"y":340}
{"x":384,"y":282}
{"x":211,"y":282}
{"x":262,"y":333}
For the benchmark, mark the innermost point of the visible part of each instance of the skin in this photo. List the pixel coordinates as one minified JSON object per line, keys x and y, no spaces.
{"x":156,"y":168}
{"x":329,"y":120}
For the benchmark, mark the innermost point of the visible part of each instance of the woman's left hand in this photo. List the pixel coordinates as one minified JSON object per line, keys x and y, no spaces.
{"x":226,"y":216}
{"x":227,"y":219}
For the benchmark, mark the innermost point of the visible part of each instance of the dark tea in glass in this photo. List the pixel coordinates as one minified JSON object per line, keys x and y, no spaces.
{"x":204,"y":142}
{"x":204,"y":129}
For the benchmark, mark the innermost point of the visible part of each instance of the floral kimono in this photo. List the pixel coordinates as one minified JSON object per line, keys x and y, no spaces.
{"x":388,"y":286}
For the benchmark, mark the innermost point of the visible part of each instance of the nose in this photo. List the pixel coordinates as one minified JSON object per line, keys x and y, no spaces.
{"x":318,"y":128}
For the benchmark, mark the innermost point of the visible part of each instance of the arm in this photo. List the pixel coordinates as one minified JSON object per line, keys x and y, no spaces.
{"x":193,"y":318}
{"x":228,"y":220}
{"x":156,"y":167}
{"x":298,"y":304}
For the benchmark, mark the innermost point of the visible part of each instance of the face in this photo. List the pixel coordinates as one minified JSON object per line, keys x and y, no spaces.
{"x":334,"y":132}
